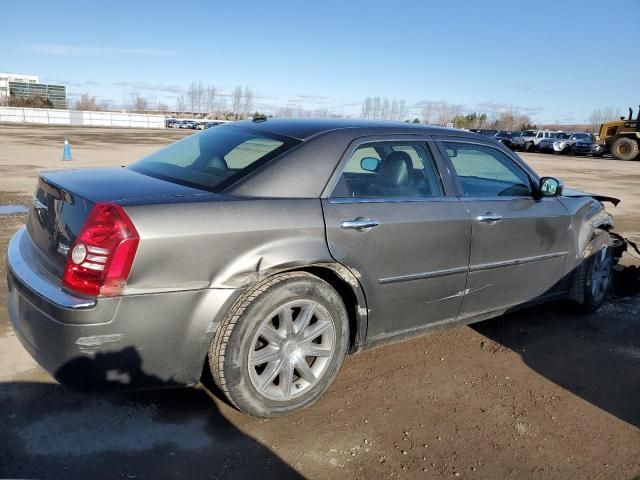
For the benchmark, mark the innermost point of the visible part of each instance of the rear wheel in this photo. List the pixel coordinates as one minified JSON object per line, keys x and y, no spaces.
{"x":593,"y":276}
{"x":625,"y":148}
{"x":281,"y":345}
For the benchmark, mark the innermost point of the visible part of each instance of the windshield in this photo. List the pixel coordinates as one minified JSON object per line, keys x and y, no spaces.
{"x":581,"y":136}
{"x":215,"y":158}
{"x":562,"y":135}
{"x":529,"y":133}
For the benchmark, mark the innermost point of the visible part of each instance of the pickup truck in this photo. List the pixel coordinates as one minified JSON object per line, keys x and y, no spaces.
{"x":530,"y":139}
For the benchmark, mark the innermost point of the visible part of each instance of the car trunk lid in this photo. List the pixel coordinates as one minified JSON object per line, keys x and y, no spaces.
{"x":63,"y":200}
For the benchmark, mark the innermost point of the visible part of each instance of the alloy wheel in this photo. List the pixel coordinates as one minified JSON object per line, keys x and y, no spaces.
{"x":601,"y":273}
{"x":291,"y":350}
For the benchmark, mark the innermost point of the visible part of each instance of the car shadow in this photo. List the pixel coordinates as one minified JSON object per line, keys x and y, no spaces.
{"x":50,"y":431}
{"x":595,"y":357}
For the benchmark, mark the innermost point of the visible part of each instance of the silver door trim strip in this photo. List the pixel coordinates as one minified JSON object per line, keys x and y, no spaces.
{"x":518,"y":261}
{"x":422,"y":276}
{"x":339,"y":200}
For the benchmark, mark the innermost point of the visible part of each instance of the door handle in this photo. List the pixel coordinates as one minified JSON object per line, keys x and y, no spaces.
{"x":360,"y":224}
{"x":489,"y":217}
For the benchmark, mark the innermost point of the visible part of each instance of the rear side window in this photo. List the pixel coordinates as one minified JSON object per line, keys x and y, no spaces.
{"x":215,"y":158}
{"x":487,"y":172}
{"x":248,"y":152}
{"x":389,"y":169}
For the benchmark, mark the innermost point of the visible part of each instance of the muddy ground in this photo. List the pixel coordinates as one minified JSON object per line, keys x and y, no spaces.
{"x":543,"y":393}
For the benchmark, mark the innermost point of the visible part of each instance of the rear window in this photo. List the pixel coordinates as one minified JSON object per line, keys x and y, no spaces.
{"x":214,"y":159}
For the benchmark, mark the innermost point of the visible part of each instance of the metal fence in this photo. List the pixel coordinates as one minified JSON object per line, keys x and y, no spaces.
{"x":47,"y":116}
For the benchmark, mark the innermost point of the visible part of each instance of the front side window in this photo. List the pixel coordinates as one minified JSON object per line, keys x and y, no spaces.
{"x":487,"y":172}
{"x":389,"y":169}
{"x":215,"y":158}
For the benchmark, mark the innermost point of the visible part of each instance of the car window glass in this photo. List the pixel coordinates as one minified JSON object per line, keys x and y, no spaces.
{"x":487,"y":172}
{"x":354,"y":163}
{"x":248,"y":152}
{"x":406,"y":169}
{"x":215,"y":158}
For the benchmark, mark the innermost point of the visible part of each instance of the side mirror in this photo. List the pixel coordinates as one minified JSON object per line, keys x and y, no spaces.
{"x":370,"y":164}
{"x":452,"y":152}
{"x":550,"y":187}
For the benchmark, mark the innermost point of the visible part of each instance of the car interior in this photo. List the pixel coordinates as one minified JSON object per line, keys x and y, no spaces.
{"x":389,"y":170}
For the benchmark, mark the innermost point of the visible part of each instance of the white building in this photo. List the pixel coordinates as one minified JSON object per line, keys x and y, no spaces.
{"x":5,"y":78}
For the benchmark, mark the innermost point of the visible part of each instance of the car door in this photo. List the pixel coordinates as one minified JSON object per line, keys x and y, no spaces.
{"x":519,"y":242}
{"x":404,"y":233}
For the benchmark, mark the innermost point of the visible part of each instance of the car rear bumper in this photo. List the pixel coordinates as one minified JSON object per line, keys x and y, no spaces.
{"x":135,"y":341}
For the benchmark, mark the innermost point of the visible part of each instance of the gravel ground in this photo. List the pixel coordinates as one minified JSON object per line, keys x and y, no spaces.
{"x":542,"y":393}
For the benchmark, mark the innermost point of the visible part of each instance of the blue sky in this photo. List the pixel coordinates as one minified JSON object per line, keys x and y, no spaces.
{"x":555,"y":60}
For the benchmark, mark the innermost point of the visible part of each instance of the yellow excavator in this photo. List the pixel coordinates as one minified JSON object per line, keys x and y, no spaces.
{"x":621,"y":138}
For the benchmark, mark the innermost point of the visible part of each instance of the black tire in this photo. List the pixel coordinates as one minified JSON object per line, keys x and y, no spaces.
{"x":625,"y":148}
{"x":234,"y":342}
{"x":582,"y":290}
{"x":528,"y":147}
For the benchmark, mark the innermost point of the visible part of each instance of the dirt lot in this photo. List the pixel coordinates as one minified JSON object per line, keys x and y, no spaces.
{"x":544,"y":393}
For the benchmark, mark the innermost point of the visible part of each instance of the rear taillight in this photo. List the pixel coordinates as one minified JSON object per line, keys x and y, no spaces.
{"x":101,"y":257}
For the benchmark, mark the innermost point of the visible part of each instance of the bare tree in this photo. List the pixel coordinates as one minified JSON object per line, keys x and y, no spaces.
{"x":162,"y":107}
{"x":600,"y":116}
{"x":236,"y":102}
{"x":180,"y":103}
{"x":247,"y":103}
{"x":195,"y":93}
{"x":105,"y":106}
{"x":139,"y":103}
{"x":220,"y":106}
{"x":427,"y":113}
{"x":86,"y":103}
{"x":210,"y":94}
{"x":367,"y":107}
{"x":385,"y":109}
{"x":402,"y":110}
{"x":321,"y":112}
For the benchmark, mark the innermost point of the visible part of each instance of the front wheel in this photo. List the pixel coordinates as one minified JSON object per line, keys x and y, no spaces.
{"x":281,"y":345}
{"x":593,"y":275}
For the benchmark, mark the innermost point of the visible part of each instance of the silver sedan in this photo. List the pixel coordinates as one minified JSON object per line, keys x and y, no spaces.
{"x":269,"y":249}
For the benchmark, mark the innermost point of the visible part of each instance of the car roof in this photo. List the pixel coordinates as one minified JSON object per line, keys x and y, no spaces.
{"x":305,"y":128}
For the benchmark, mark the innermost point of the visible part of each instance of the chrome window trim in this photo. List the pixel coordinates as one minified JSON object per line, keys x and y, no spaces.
{"x":338,"y":200}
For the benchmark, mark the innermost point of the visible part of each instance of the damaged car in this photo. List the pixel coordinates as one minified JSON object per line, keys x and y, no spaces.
{"x":267,"y":250}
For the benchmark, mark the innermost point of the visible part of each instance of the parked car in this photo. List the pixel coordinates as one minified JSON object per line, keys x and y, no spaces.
{"x":188,"y":124}
{"x":504,"y":137}
{"x":529,"y":139}
{"x":484,"y":131}
{"x":174,"y":123}
{"x":547,"y":145}
{"x":270,"y":249}
{"x":577,"y":143}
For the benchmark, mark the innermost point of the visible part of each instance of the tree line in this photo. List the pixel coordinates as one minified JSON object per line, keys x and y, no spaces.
{"x":208,"y":100}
